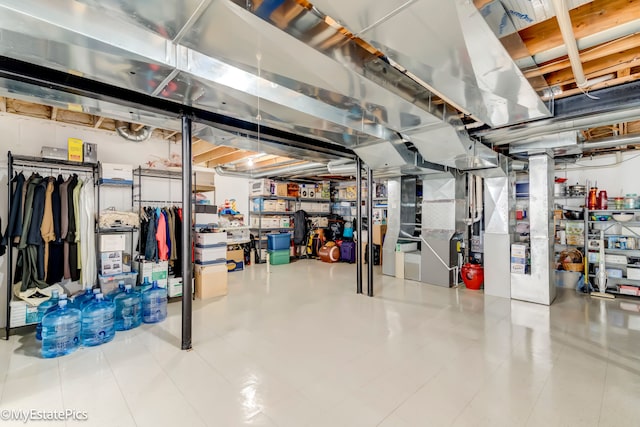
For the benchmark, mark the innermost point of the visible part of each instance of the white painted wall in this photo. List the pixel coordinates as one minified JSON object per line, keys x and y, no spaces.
{"x":25,"y":136}
{"x":618,"y":175}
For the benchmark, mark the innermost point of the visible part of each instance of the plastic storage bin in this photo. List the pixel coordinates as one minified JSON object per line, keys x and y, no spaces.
{"x":278,"y":242}
{"x":110,"y":283}
{"x":279,"y":257}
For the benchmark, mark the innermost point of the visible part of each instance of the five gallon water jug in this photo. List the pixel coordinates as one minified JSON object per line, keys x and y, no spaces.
{"x":60,"y":331}
{"x":89,"y":300}
{"x":143,"y":286}
{"x":62,"y":297}
{"x":128,"y":309}
{"x":154,"y":304}
{"x":79,"y":299}
{"x":98,"y":322}
{"x":42,"y":309}
{"x":111,"y":295}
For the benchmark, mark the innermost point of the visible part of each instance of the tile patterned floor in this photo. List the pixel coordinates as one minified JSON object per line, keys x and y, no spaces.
{"x":297,"y":347}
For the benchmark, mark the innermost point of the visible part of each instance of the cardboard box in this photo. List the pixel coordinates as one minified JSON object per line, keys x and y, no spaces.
{"x":285,"y":222}
{"x":515,"y":260}
{"x":236,"y":255}
{"x":260,"y":187}
{"x":575,"y":239}
{"x":153,"y":271}
{"x":633,"y":273}
{"x":519,"y":250}
{"x":110,"y":263}
{"x":628,"y":290}
{"x":379,"y":230}
{"x":234,"y":266}
{"x":207,"y":239}
{"x":615,"y":259}
{"x":113,"y":242}
{"x":22,"y":314}
{"x":74,"y":148}
{"x":174,"y":287}
{"x":211,"y":281}
{"x":293,"y":189}
{"x":518,"y":268}
{"x":282,"y":189}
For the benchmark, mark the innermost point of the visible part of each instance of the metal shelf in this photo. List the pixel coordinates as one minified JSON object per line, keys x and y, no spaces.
{"x":271,"y":213}
{"x":117,"y":230}
{"x":270,"y":229}
{"x":612,"y":292}
{"x":313,"y":199}
{"x":273,"y":197}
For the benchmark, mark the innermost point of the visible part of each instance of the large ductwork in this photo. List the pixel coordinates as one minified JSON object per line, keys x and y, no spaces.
{"x":297,"y":69}
{"x":139,"y":135}
{"x":306,"y":167}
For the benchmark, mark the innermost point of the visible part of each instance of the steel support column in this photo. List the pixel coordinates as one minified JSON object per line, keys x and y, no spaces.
{"x":186,"y":233}
{"x":370,"y":231}
{"x":359,"y":225}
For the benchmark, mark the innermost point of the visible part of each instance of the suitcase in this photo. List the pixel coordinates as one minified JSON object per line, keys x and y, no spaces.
{"x":329,"y":253}
{"x":348,"y":251}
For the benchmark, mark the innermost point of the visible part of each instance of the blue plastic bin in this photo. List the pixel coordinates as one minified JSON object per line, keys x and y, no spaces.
{"x":278,"y":242}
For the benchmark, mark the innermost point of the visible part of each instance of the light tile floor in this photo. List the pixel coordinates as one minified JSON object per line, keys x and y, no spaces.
{"x":297,"y":347}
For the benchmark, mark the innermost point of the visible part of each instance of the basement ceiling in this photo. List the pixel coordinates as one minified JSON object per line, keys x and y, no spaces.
{"x":346,"y":74}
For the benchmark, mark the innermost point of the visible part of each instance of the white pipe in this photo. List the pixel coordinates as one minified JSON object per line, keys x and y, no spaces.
{"x":564,"y":21}
{"x":479,"y":206}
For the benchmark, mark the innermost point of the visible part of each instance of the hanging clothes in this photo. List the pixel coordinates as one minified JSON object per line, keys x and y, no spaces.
{"x":55,"y":266}
{"x":14,"y":226}
{"x":34,"y":237}
{"x":161,"y":238}
{"x":86,"y":203}
{"x":64,"y":225}
{"x":151,"y":246}
{"x":76,"y":212}
{"x":177,"y":265}
{"x":46,"y":229}
{"x":167,"y":234}
{"x":74,"y":272}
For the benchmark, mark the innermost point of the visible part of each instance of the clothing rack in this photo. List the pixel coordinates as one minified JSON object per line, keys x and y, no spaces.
{"x":35,"y":164}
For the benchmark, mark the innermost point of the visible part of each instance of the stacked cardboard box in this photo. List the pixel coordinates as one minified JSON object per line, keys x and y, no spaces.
{"x":519,"y":255}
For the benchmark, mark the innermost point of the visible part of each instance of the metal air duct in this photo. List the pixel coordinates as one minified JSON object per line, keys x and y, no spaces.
{"x":124,"y":130}
{"x":271,"y":172}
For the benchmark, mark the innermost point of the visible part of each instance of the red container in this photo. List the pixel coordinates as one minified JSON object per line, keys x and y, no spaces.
{"x":472,"y":276}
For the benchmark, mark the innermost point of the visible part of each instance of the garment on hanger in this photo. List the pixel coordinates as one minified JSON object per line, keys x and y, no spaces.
{"x":86,"y":203}
{"x":76,"y":213}
{"x":151,"y":245}
{"x":14,"y":226}
{"x":74,"y":272}
{"x":46,"y":229}
{"x":161,"y":237}
{"x":55,"y":265}
{"x":64,"y":221}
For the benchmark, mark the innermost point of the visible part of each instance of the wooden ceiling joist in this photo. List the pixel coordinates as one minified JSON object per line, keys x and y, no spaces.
{"x":590,"y":18}
{"x":229,"y":158}
{"x":170,"y":134}
{"x":3,"y":104}
{"x":216,"y":153}
{"x":98,"y":121}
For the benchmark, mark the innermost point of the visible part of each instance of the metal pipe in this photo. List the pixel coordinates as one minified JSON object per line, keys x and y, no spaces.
{"x":7,"y":326}
{"x":272,"y":172}
{"x":359,"y":225}
{"x":187,"y":165}
{"x":370,"y":231}
{"x":129,"y":134}
{"x":611,"y":142}
{"x":566,"y":29}
{"x":549,"y":126}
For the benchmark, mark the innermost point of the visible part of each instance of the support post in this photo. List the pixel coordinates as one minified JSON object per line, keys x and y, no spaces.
{"x":370,"y":231}
{"x":186,"y":233}
{"x":359,"y":225}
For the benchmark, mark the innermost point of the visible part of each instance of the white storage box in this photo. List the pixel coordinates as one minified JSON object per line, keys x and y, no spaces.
{"x":116,"y":172}
{"x":285,"y":222}
{"x":174,"y":287}
{"x":113,"y":242}
{"x":518,"y":268}
{"x":22,"y":314}
{"x":207,"y":239}
{"x":615,"y":259}
{"x":260,"y":187}
{"x":205,"y":255}
{"x":153,"y":271}
{"x":518,"y":251}
{"x":633,"y":273}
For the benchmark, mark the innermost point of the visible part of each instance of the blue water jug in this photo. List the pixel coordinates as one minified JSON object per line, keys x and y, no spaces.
{"x":62,"y":297}
{"x":128,"y":309}
{"x":60,"y":331}
{"x":89,"y":300}
{"x":79,"y":299}
{"x":120,"y":289}
{"x":143,"y":286}
{"x":42,"y":310}
{"x":154,"y":304}
{"x":98,"y":322}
